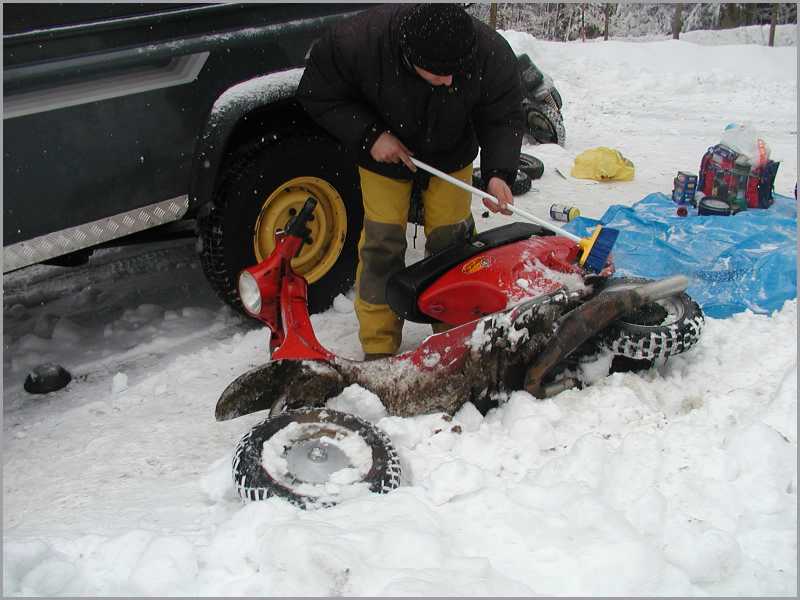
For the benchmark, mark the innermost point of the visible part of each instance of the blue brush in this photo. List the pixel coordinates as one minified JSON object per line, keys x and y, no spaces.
{"x":595,"y":248}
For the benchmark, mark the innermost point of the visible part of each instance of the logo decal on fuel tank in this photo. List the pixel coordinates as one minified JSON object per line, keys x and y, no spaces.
{"x":477,"y":264}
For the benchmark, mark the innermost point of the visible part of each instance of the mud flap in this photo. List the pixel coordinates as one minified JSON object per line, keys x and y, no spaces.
{"x":304,"y":383}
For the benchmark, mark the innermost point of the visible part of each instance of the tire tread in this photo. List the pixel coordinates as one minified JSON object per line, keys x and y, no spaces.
{"x":387,"y":479}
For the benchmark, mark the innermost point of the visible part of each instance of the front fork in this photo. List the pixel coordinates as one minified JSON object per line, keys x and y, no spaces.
{"x":284,"y":295}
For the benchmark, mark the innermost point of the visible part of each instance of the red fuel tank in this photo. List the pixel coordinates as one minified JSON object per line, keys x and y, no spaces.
{"x":501,"y":277}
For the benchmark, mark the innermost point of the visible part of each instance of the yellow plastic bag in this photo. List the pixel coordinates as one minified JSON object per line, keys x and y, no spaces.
{"x":602,"y":164}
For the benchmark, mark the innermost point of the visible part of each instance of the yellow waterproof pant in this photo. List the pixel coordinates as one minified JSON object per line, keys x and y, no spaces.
{"x":382,"y":247}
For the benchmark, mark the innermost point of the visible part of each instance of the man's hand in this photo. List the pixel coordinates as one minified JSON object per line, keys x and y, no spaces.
{"x":500,"y":190}
{"x":388,"y":149}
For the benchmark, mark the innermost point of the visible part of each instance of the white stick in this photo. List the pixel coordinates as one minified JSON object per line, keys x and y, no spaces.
{"x":480,"y":193}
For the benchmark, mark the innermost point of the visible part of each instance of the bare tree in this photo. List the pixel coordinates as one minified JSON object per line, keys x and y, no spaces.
{"x":676,"y":21}
{"x":606,"y":11}
{"x":555,"y":21}
{"x":583,"y":22}
{"x":493,"y":15}
{"x":569,"y":23}
{"x":772,"y":23}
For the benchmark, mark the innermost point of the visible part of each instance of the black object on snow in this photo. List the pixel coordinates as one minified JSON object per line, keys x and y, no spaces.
{"x":531,"y":166}
{"x":46,"y":378}
{"x":521,"y":184}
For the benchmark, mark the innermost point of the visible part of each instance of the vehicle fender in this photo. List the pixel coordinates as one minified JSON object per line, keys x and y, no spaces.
{"x":230,"y":110}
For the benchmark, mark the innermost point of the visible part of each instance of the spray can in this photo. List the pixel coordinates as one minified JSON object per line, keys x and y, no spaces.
{"x":561,"y":212}
{"x":684,"y":187}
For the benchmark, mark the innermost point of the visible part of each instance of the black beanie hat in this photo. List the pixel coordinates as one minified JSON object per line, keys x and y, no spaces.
{"x":439,"y":38}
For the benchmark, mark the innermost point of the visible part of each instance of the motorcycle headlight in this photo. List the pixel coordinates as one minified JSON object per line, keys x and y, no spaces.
{"x":249,"y":293}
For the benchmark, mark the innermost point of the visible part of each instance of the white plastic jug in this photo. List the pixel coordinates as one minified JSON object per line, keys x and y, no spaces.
{"x":744,"y":139}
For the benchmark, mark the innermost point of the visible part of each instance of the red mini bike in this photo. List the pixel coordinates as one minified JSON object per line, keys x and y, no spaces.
{"x":524,"y":315}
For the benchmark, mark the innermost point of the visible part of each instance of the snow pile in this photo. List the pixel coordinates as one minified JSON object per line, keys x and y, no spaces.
{"x":686,"y":476}
{"x":355,"y":399}
{"x":677,"y":481}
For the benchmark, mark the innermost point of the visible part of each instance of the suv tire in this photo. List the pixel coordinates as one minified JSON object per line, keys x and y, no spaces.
{"x":545,"y":124}
{"x":260,"y":188}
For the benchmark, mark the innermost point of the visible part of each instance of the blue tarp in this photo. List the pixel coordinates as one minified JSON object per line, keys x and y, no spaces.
{"x":745,"y":261}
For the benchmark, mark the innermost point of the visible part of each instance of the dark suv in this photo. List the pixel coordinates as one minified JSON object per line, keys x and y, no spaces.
{"x":122,"y":121}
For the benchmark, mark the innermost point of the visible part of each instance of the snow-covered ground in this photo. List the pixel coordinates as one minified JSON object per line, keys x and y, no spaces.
{"x":679,"y":481}
{"x":785,"y":35}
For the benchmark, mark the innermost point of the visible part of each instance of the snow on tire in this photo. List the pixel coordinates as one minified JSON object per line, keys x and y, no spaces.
{"x":545,"y":123}
{"x":314,"y":458}
{"x":658,"y":330}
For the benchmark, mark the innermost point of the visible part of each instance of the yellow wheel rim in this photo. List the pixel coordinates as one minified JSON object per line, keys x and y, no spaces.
{"x":328,"y":227}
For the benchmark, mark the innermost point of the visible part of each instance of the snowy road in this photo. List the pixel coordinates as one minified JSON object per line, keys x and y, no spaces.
{"x":678,"y":481}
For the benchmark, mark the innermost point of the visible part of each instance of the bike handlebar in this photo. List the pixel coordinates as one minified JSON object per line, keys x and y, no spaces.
{"x":297,"y":225}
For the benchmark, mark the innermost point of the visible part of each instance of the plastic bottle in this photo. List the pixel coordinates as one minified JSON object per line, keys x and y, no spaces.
{"x":744,"y":139}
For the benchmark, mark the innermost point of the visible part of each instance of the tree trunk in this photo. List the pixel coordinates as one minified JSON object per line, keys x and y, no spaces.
{"x":569,"y":23}
{"x":583,"y":22}
{"x":772,"y":23}
{"x":749,"y":11}
{"x":676,"y":21}
{"x":493,"y":15}
{"x":606,"y":11}
{"x":555,"y":21}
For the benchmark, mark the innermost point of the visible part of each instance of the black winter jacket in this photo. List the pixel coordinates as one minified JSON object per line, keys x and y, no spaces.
{"x":356,"y":85}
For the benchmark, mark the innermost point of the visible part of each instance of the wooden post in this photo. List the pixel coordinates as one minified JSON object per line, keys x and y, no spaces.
{"x":676,"y":21}
{"x":493,"y":15}
{"x":606,"y":11}
{"x":773,"y":22}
